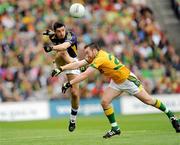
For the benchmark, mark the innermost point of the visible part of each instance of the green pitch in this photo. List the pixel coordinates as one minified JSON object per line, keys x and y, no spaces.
{"x":153,"y":129}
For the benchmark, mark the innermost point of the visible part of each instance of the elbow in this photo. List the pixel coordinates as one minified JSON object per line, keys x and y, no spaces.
{"x":64,"y":48}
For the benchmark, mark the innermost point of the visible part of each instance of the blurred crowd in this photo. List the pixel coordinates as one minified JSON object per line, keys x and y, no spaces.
{"x":128,"y":30}
{"x":176,"y":7}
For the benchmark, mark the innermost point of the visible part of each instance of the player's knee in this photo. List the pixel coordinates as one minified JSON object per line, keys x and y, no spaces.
{"x":75,"y":93}
{"x":75,"y":103}
{"x":61,"y":54}
{"x":105,"y":103}
{"x":74,"y":98}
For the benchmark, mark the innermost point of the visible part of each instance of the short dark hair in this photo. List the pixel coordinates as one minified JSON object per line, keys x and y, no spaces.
{"x":92,"y":45}
{"x":57,"y":25}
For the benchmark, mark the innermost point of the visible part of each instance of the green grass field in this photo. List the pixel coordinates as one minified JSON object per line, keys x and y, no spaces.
{"x":153,"y":129}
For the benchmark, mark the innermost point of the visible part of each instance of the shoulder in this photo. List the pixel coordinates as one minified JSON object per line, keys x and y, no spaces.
{"x":71,"y":37}
{"x":98,"y":60}
{"x":102,"y":54}
{"x":70,"y":34}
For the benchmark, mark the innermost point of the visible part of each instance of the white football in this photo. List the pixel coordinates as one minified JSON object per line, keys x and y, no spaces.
{"x":77,"y":10}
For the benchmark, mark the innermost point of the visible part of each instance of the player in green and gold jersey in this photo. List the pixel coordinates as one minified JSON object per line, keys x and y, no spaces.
{"x":122,"y":79}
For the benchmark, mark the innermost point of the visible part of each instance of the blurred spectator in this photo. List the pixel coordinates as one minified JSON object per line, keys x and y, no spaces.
{"x":127,"y":30}
{"x":176,"y":7}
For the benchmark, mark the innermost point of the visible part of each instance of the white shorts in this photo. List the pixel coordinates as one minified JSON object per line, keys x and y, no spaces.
{"x":132,"y":85}
{"x":74,"y":71}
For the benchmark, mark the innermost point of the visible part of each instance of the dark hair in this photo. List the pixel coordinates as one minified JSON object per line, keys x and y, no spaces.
{"x":92,"y":45}
{"x":57,"y":25}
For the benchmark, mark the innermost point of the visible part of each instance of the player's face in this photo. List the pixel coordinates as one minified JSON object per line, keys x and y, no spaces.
{"x":60,"y":32}
{"x":90,"y":54}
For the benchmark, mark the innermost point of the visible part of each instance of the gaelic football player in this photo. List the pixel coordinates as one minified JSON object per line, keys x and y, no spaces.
{"x":121,"y":80}
{"x":65,"y":45}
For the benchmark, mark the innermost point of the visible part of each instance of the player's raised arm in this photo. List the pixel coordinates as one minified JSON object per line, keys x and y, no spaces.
{"x":61,"y":47}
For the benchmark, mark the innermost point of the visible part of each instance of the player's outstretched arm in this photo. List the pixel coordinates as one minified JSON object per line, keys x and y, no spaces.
{"x":74,"y":65}
{"x":61,"y":47}
{"x":70,"y":66}
{"x":79,"y":78}
{"x":83,"y":76}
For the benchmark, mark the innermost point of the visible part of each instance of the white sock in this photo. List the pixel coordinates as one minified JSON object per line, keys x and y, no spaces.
{"x":73,"y":114}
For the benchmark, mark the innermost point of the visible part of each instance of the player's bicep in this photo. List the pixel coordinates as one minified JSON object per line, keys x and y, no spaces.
{"x":74,"y":65}
{"x":61,"y":47}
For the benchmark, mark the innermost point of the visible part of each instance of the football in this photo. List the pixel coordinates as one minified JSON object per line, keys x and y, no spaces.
{"x":77,"y":10}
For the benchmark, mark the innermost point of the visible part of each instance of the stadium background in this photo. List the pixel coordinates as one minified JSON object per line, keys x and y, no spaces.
{"x":129,"y":29}
{"x":131,"y":32}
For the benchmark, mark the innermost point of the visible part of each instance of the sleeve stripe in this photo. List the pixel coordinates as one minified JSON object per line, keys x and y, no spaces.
{"x":92,"y":65}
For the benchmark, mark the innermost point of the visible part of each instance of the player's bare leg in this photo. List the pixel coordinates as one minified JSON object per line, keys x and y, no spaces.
{"x":74,"y":103}
{"x":147,"y":99}
{"x":61,"y":59}
{"x":108,"y":96}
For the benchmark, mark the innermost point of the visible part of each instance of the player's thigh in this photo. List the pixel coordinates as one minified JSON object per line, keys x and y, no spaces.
{"x":109,"y":94}
{"x":71,"y":77}
{"x":75,"y":87}
{"x":59,"y":60}
{"x":145,"y":97}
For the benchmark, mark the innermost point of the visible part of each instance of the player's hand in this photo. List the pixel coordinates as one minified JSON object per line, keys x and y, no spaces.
{"x":47,"y":48}
{"x":56,"y":72}
{"x":65,"y":86}
{"x":48,"y":32}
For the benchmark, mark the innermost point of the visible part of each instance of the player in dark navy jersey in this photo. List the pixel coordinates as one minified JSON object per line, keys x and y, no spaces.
{"x":69,"y":37}
{"x":65,"y":46}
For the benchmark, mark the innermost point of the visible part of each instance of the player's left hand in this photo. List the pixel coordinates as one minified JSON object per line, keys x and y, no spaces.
{"x":48,"y":48}
{"x":65,"y":86}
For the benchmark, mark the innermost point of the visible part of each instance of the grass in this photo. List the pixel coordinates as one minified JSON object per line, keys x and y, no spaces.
{"x":150,"y":129}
